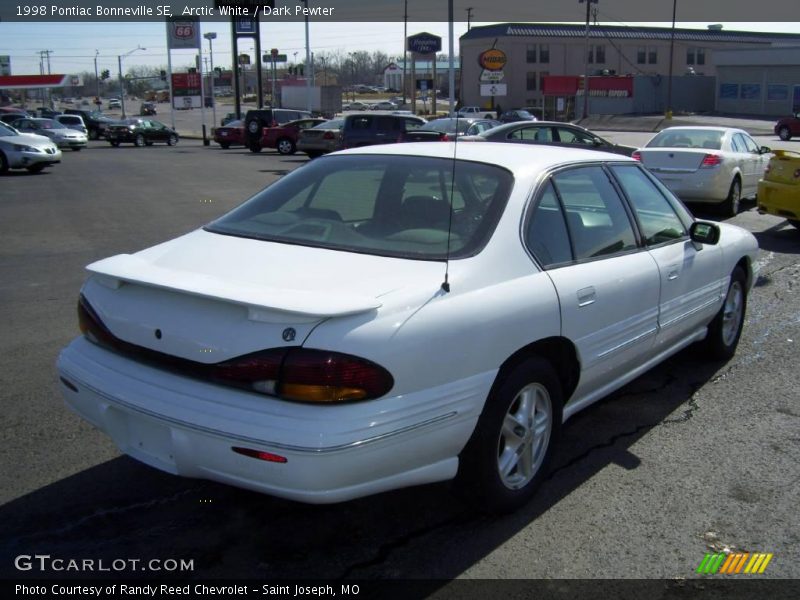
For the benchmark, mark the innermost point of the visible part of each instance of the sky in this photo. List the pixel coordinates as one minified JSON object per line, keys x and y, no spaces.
{"x":74,"y":45}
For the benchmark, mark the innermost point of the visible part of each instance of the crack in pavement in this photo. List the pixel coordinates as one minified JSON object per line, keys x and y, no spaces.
{"x":117,"y":510}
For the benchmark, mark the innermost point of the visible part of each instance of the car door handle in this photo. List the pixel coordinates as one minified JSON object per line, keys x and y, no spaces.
{"x":672,"y":275}
{"x":586,"y":296}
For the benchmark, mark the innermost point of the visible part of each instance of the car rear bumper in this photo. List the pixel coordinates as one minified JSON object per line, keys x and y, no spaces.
{"x":703,"y":185}
{"x":332,"y":453}
{"x":779,"y":199}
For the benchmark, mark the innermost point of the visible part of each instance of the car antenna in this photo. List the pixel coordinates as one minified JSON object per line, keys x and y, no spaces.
{"x":446,"y":282}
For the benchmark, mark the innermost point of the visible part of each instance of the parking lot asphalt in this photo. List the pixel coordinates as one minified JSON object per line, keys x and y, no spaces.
{"x":692,"y":457}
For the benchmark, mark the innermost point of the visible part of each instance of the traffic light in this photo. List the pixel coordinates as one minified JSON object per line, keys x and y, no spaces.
{"x":105,"y":74}
{"x":163,"y":75}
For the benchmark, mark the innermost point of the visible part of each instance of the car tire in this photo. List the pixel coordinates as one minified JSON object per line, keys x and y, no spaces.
{"x":139,"y":141}
{"x":785,"y":133}
{"x":93,"y":135}
{"x":734,"y":199}
{"x":508,"y":454}
{"x":115,"y":144}
{"x":3,"y":163}
{"x":172,"y":140}
{"x":37,"y":168}
{"x":255,"y":148}
{"x":285,"y":146}
{"x":726,"y":328}
{"x":253,"y":130}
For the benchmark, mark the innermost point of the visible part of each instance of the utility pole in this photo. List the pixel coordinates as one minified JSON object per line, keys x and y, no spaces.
{"x":586,"y":58}
{"x":469,"y":17}
{"x":668,"y":113}
{"x":42,"y":55}
{"x":405,"y":48}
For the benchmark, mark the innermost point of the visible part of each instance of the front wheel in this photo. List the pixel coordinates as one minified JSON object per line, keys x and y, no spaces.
{"x":785,"y":133}
{"x":508,"y":455}
{"x":726,"y":328}
{"x":139,"y":141}
{"x":172,"y":140}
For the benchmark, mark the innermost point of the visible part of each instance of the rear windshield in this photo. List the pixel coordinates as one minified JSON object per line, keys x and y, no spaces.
{"x":378,"y":204}
{"x":687,"y":138}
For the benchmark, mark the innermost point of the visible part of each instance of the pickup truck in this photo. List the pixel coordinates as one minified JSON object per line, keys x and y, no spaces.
{"x":476,"y":112}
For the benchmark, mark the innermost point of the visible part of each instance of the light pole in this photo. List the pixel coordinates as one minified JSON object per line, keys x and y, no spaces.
{"x":210,"y":36}
{"x":668,"y":113}
{"x":353,"y":78}
{"x":121,"y":81}
{"x":96,"y":78}
{"x":309,"y":67}
{"x":586,"y":58}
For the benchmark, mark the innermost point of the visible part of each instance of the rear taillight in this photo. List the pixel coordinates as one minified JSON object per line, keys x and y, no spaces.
{"x":711,"y":160}
{"x":290,"y":373}
{"x":636,"y":155}
{"x":329,"y":135}
{"x":443,"y":137}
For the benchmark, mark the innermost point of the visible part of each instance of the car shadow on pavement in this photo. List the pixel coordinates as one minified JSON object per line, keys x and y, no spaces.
{"x":122,"y":509}
{"x":783,"y":237}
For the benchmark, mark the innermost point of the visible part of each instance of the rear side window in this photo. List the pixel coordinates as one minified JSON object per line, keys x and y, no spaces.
{"x":538,"y":134}
{"x":596,"y":217}
{"x":546,"y":234}
{"x":361,"y":123}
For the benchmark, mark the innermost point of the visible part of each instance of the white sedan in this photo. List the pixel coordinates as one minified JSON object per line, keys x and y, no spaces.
{"x":718,"y":165}
{"x":26,"y":150}
{"x":391,"y":316}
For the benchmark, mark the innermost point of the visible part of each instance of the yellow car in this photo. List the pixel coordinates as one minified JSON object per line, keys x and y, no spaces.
{"x":779,"y":190}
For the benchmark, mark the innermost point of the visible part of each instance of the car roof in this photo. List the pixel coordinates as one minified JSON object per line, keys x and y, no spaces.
{"x":702,"y":128}
{"x":515,"y":157}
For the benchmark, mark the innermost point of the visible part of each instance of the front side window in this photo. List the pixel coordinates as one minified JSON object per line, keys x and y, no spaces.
{"x":657,"y":218}
{"x":596,"y":217}
{"x":403,"y":206}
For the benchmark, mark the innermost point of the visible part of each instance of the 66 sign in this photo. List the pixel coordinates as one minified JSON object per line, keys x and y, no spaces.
{"x":183,"y":33}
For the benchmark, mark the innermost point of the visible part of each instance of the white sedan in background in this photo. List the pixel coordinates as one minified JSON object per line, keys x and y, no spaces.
{"x":718,"y":165}
{"x":26,"y":151}
{"x":392,"y":316}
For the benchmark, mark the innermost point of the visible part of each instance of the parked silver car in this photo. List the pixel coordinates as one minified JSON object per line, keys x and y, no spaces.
{"x":717,"y":165}
{"x":62,"y":136}
{"x":26,"y":151}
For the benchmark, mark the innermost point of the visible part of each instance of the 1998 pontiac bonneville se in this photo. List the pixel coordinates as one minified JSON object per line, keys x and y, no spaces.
{"x":391,"y":316}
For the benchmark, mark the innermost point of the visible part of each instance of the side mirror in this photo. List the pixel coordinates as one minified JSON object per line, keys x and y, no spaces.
{"x":597,"y":142}
{"x":704,"y":232}
{"x":764,"y":150}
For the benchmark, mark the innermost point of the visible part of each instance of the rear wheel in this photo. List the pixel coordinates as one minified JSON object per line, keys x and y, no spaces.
{"x":726,"y":328}
{"x":3,"y":163}
{"x":731,"y":205}
{"x":785,"y":133}
{"x":139,"y":141}
{"x":285,"y":146}
{"x":508,"y":455}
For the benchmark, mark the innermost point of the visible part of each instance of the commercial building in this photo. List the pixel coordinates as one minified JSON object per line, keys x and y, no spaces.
{"x":535,"y":51}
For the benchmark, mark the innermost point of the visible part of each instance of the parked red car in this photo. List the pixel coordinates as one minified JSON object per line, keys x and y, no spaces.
{"x":232,"y":134}
{"x":284,"y":137}
{"x":787,"y":127}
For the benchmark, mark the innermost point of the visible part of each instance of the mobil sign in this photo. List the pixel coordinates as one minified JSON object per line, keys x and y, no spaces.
{"x":424,"y":43}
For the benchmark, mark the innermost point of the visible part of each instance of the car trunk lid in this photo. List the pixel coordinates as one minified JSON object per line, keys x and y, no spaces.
{"x":672,"y":160}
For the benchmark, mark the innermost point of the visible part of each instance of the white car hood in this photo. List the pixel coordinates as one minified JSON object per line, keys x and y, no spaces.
{"x":32,"y":139}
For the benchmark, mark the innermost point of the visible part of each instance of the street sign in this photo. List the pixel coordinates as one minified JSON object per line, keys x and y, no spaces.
{"x":492,"y":76}
{"x":245,"y":25}
{"x":494,"y":89}
{"x":276,"y":57}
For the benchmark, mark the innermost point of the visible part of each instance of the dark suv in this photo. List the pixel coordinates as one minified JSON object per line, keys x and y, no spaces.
{"x":95,"y":122}
{"x":256,"y":120}
{"x":369,"y":129}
